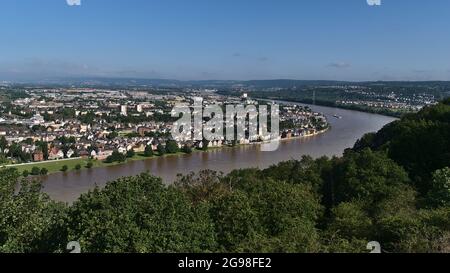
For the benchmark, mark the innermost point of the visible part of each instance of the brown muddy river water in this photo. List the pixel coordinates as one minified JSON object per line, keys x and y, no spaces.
{"x":343,"y":134}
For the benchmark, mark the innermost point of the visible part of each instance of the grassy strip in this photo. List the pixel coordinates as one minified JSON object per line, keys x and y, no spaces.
{"x":57,"y":166}
{"x":53,"y":166}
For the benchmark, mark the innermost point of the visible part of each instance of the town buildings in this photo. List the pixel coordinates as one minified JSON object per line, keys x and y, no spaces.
{"x":72,"y":123}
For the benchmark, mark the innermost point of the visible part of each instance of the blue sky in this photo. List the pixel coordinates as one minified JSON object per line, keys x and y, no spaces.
{"x":232,"y":39}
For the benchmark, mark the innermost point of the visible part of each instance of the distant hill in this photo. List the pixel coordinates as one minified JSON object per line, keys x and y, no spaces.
{"x":253,"y":84}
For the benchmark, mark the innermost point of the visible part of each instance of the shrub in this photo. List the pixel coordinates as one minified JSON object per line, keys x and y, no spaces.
{"x":148,"y":151}
{"x":161,"y":150}
{"x":35,"y":171}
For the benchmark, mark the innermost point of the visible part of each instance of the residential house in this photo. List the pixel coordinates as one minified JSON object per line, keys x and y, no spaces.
{"x":38,"y":156}
{"x":56,"y":154}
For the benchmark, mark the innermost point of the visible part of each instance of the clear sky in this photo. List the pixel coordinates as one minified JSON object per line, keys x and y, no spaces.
{"x":226,"y":39}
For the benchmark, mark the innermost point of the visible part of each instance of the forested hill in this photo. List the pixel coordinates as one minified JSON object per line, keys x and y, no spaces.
{"x":420,"y":143}
{"x":392,"y":187}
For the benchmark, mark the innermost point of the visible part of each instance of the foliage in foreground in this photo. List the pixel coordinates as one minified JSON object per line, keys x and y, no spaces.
{"x":324,"y":205}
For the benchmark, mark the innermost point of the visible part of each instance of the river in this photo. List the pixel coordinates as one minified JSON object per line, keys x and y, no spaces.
{"x":67,"y":187}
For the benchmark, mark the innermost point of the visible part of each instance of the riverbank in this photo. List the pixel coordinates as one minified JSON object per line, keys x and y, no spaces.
{"x":78,"y":164}
{"x":67,"y":187}
{"x":364,"y":109}
{"x":72,"y":165}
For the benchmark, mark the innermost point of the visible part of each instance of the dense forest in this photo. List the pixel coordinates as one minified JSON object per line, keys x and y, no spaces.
{"x":393,"y":187}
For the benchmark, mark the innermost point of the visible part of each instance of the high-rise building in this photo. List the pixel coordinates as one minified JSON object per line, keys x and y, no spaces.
{"x":139,"y":108}
{"x":123,"y":110}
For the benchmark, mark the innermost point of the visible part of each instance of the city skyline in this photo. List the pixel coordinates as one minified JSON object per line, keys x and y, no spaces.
{"x":200,"y":40}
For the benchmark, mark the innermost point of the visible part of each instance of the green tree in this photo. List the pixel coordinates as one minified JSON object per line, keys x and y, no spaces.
{"x":28,"y":141}
{"x":64,"y":168}
{"x":89,"y":118}
{"x":113,"y":135}
{"x":44,"y":171}
{"x":439,"y":194}
{"x":404,"y":232}
{"x":306,"y":171}
{"x":30,"y":221}
{"x":256,"y":214}
{"x":204,"y":186}
{"x":116,"y":157}
{"x":187,"y":149}
{"x":161,"y":150}
{"x":235,"y":220}
{"x":131,"y":153}
{"x":43,"y":146}
{"x":172,"y":147}
{"x":35,"y":171}
{"x":420,"y":143}
{"x":3,"y":143}
{"x":148,"y":151}
{"x":205,"y":144}
{"x":78,"y":167}
{"x":89,"y":165}
{"x":153,"y":219}
{"x":367,"y":176}
{"x":350,"y":221}
{"x":3,"y":159}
